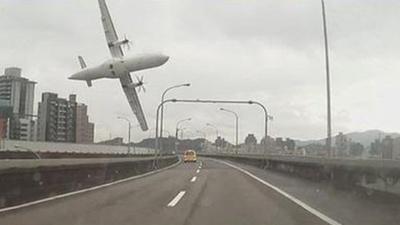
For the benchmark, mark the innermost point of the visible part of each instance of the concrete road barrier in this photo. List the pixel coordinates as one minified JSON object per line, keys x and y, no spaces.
{"x":378,"y":177}
{"x":13,"y":154}
{"x":23,"y":181}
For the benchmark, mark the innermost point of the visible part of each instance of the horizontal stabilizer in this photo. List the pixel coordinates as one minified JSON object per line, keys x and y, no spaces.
{"x":82,"y":62}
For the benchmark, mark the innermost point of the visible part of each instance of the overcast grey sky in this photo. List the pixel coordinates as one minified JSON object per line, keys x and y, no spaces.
{"x":270,"y":51}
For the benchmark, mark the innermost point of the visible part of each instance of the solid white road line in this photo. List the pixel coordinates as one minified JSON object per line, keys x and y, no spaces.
{"x":198,"y":171}
{"x":175,"y":201}
{"x":193,"y":179}
{"x":290,"y":197}
{"x":87,"y":189}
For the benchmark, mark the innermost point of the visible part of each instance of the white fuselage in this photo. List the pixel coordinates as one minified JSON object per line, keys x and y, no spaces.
{"x":116,"y":67}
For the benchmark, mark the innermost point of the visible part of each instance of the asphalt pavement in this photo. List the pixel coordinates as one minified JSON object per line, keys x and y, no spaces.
{"x":206,"y":192}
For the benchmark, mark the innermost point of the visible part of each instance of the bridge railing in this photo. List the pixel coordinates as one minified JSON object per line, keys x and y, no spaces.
{"x":370,"y":175}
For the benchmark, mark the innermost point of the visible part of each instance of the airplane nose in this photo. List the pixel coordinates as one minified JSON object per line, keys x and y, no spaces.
{"x":74,"y":76}
{"x":164,"y":58}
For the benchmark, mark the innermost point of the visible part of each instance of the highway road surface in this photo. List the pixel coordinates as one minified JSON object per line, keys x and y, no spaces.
{"x":206,"y":192}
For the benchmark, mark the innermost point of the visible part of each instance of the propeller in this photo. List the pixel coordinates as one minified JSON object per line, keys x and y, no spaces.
{"x":140,"y":84}
{"x":127,"y":43}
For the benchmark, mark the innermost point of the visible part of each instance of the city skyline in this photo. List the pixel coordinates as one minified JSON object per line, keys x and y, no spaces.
{"x":55,"y":120}
{"x":283,"y":69}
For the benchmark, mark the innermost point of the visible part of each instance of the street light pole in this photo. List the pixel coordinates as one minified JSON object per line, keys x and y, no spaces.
{"x":178,"y":123}
{"x":205,"y":138}
{"x":177,"y":130}
{"x":216,"y":129}
{"x":217,"y":133}
{"x":182,"y":132}
{"x":162,"y":108}
{"x":237,"y":124}
{"x":328,"y":86}
{"x":150,"y":133}
{"x":154,"y":129}
{"x":129,"y":132}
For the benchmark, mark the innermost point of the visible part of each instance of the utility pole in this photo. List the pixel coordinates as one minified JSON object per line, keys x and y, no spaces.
{"x":328,"y":86}
{"x":177,"y":131}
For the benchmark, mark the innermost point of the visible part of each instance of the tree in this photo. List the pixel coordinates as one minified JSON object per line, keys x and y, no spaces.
{"x":290,"y":144}
{"x":250,"y":140}
{"x":375,"y":147}
{"x":220,"y":142}
{"x":356,"y":149}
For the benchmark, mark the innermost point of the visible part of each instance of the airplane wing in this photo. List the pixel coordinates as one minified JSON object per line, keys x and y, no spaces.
{"x":109,"y":30}
{"x":116,"y":52}
{"x":130,"y":92}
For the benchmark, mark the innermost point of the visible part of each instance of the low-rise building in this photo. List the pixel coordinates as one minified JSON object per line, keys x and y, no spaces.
{"x":396,"y":148}
{"x":342,"y":145}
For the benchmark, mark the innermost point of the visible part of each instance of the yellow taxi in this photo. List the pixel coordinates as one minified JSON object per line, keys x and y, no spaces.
{"x":189,"y":156}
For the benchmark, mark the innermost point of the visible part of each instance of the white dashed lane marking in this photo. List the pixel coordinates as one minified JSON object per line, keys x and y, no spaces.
{"x":177,"y":198}
{"x":180,"y":195}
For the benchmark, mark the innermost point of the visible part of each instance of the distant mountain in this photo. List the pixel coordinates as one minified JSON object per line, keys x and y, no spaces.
{"x":365,"y":137}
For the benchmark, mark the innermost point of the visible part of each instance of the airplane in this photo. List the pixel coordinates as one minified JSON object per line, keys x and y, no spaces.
{"x":120,"y":67}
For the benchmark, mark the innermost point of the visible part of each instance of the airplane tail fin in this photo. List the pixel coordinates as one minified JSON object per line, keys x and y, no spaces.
{"x":82,"y":62}
{"x":83,"y":66}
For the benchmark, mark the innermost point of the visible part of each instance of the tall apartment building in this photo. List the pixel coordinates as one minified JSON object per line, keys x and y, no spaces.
{"x":63,"y":120}
{"x":5,"y":114}
{"x":84,"y":129}
{"x":91,"y":133}
{"x":19,"y":92}
{"x":27,"y":129}
{"x":56,"y":118}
